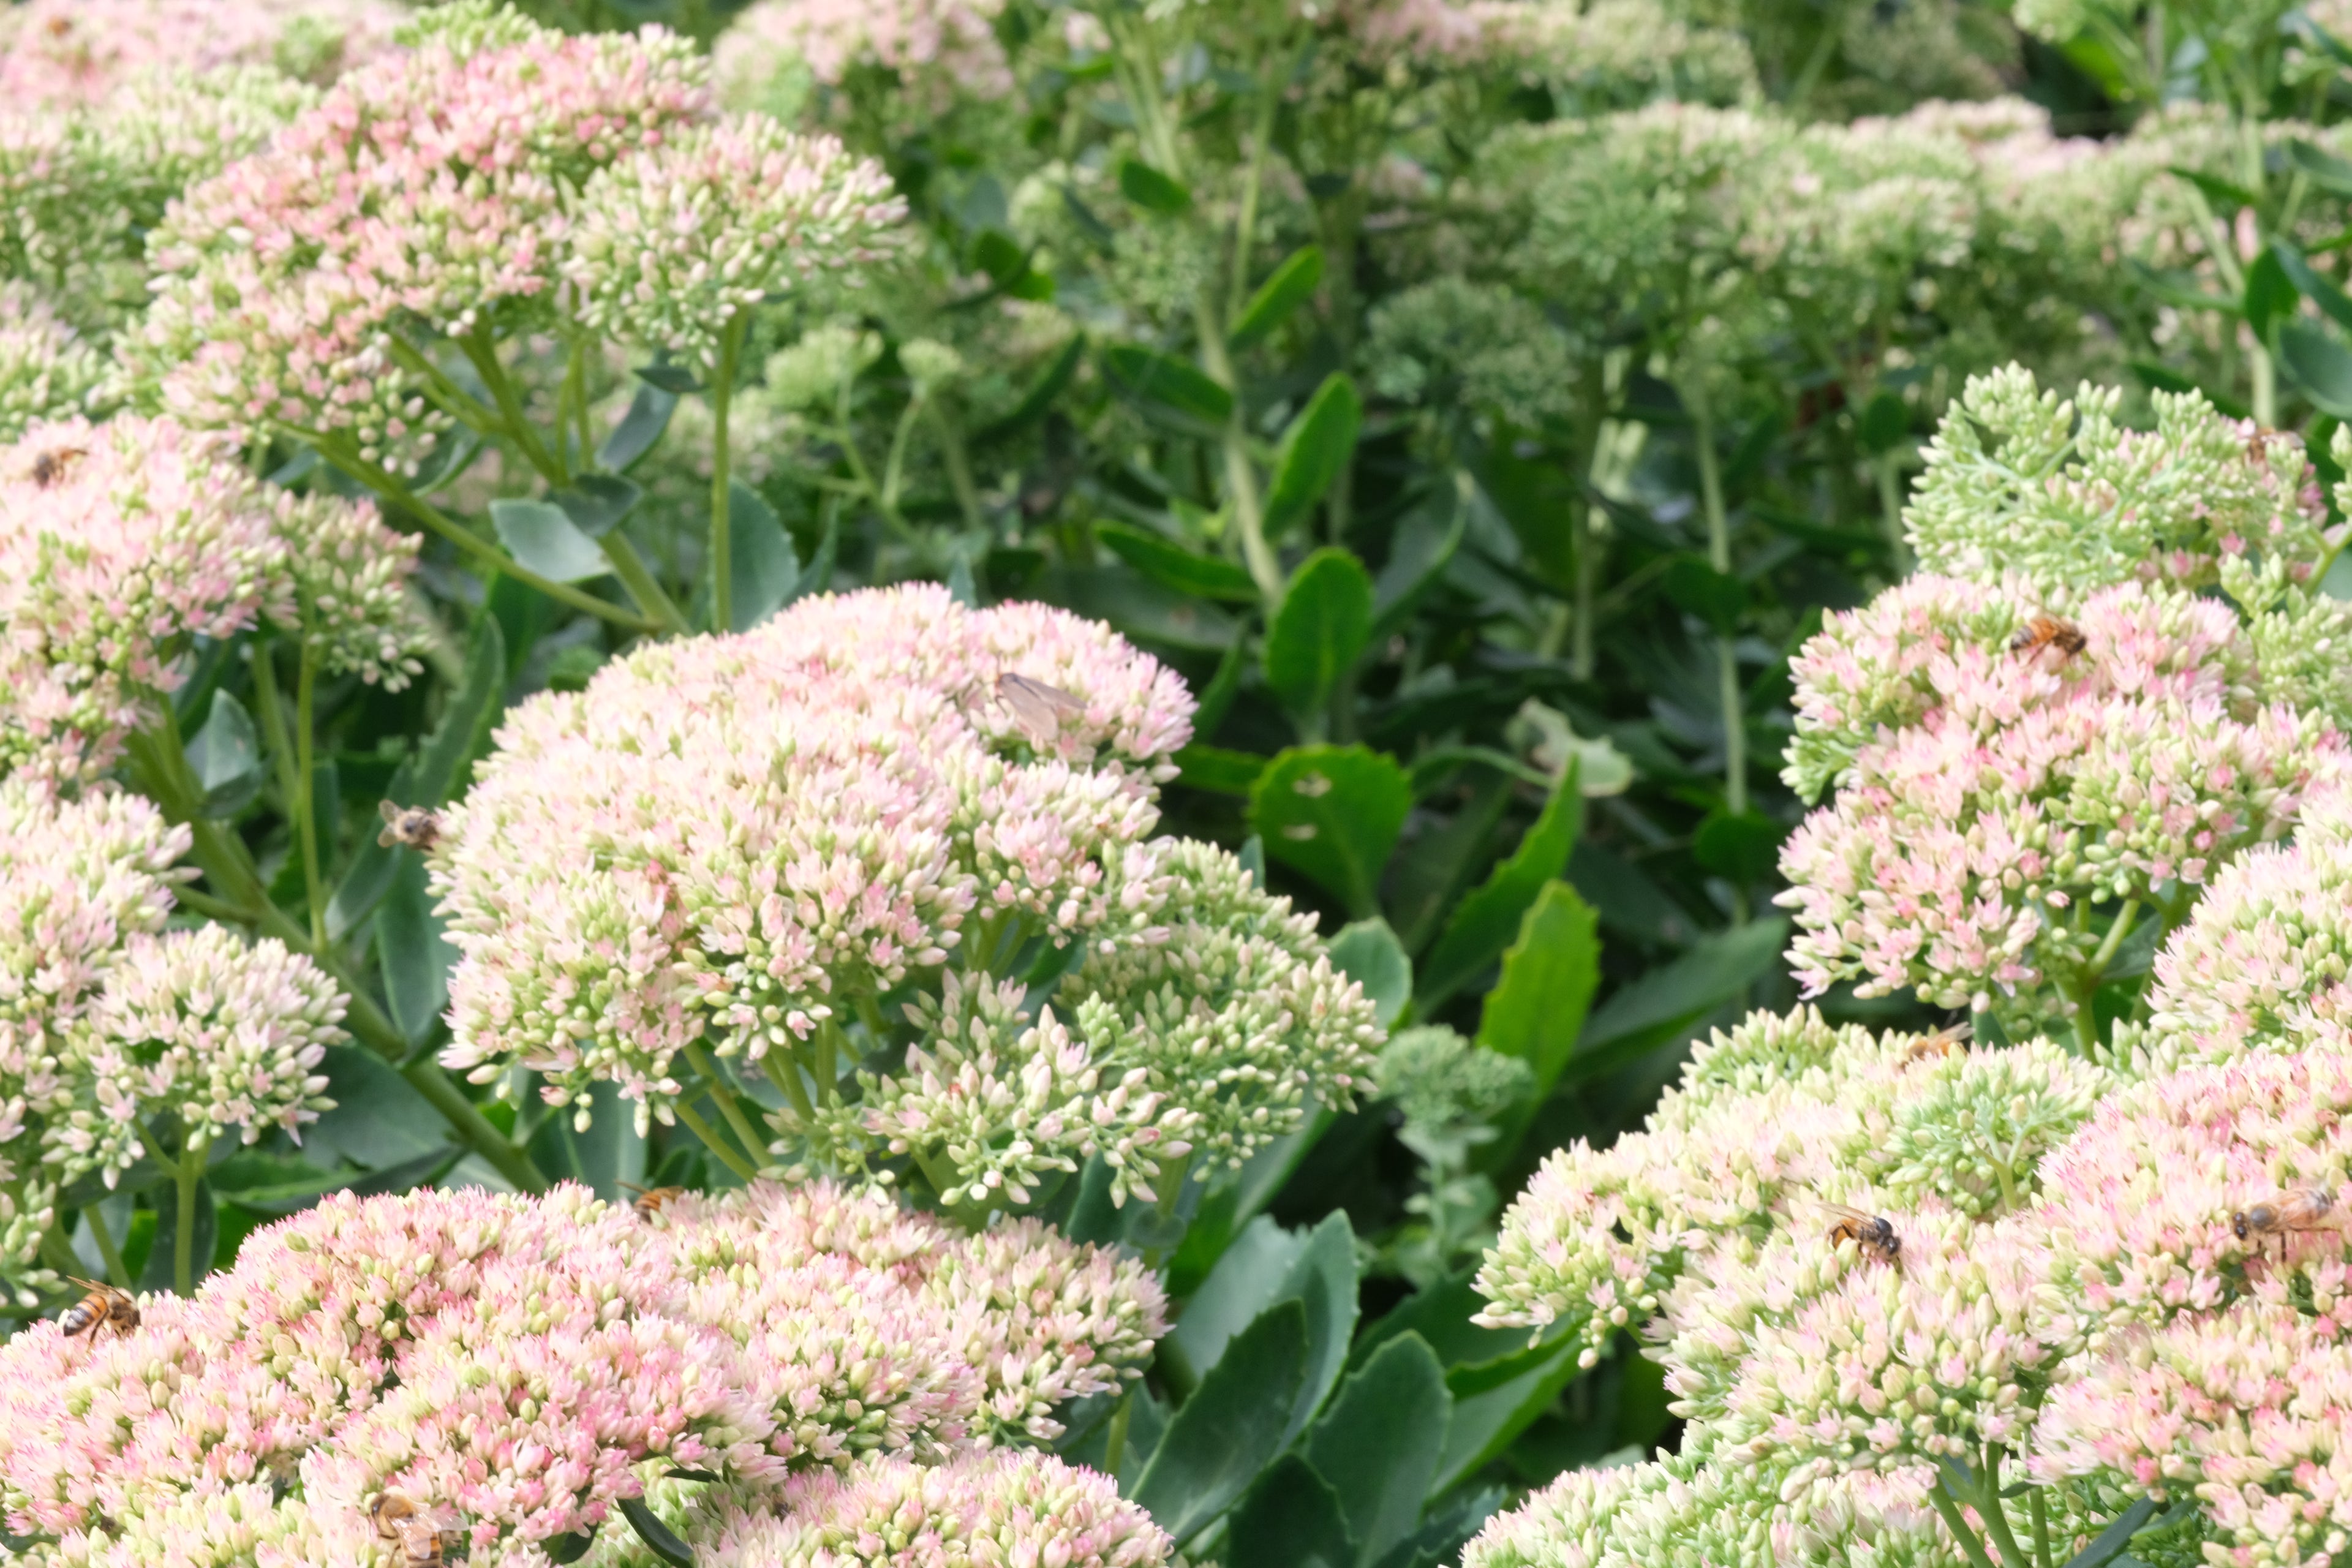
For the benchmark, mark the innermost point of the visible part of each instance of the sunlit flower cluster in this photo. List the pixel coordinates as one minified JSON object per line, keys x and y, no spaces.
{"x":121,"y":542}
{"x":671,"y":245}
{"x":743,"y":845}
{"x":48,"y":370}
{"x":940,"y":51}
{"x":115,"y":1031}
{"x":60,"y":54}
{"x":428,"y":186}
{"x":512,"y":1369}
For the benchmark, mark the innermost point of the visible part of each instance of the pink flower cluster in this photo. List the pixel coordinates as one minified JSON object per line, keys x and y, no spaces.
{"x":429,"y":186}
{"x":60,"y":54}
{"x":514,"y":1368}
{"x":121,"y":542}
{"x":942,"y":50}
{"x":1992,"y":784}
{"x":752,"y":839}
{"x":109,"y":1023}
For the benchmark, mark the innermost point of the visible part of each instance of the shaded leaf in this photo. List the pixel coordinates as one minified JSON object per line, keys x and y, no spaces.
{"x":414,"y":952}
{"x":2269,"y":295}
{"x":1321,"y":629}
{"x":1666,"y":1001}
{"x":1289,"y":286}
{"x":1219,"y":772}
{"x":639,"y":430}
{"x":1168,"y":562}
{"x":597,"y":502}
{"x":227,"y":756}
{"x":544,"y":540}
{"x":1040,"y":396}
{"x":1369,"y":953}
{"x":1151,"y":190}
{"x":1744,"y":848}
{"x":1236,"y":1421}
{"x":762,"y":569}
{"x":1380,"y":1443}
{"x":1167,"y":390}
{"x":1484,"y":924}
{"x":2318,"y":364}
{"x":1316,"y":449}
{"x":1290,"y":1518}
{"x":675,"y":380}
{"x":1537,"y":1010}
{"x":659,"y":1538}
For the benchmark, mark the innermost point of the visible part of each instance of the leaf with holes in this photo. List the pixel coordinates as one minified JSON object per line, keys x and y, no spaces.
{"x":1333,"y":814}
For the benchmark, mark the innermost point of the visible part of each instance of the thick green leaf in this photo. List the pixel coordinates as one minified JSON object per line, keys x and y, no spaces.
{"x":1369,"y":953}
{"x":1669,"y":1000}
{"x":1380,"y":1443}
{"x":2269,"y":294}
{"x":1316,"y":449}
{"x":1167,"y":389}
{"x":1440,"y":1314}
{"x":227,"y":756}
{"x":817,"y":576}
{"x":1486,"y":1423}
{"x":2323,"y":169}
{"x":544,"y":540}
{"x":1291,"y":285}
{"x":675,"y":380}
{"x":1151,"y":190}
{"x":1323,"y":1278}
{"x":762,"y":568}
{"x":1040,"y":396}
{"x":659,"y":1538}
{"x":1236,"y":1421}
{"x":1170,"y":564}
{"x":1485,"y":923}
{"x":597,"y":502}
{"x":1744,"y":848}
{"x":1715,"y":597}
{"x":644,"y":424}
{"x":1247,"y":1280}
{"x":379,"y":1119}
{"x":294,"y":1196}
{"x":1219,"y":772}
{"x":1291,"y":1518}
{"x":1321,"y":629}
{"x":2117,"y":1536}
{"x":415,"y":953}
{"x":1333,"y":813}
{"x":2318,"y":364}
{"x":1536,"y":1008}
{"x":2331,"y":300}
{"x":1883,"y":422}
{"x":570,"y":1547}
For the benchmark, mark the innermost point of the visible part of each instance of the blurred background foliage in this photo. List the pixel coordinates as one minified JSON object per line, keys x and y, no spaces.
{"x":1478,"y":406}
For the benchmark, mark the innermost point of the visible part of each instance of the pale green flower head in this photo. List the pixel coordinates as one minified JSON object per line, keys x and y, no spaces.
{"x":932,"y":365}
{"x":812,"y":371}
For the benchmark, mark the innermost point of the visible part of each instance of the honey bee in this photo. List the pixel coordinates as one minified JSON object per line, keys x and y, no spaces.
{"x":1872,"y":1232}
{"x":1036,"y":707}
{"x":415,"y":826}
{"x":2301,"y":1208}
{"x":2048,"y":632}
{"x":398,"y":1520}
{"x":53,"y":463}
{"x":103,"y":1309}
{"x":1951,"y":1040}
{"x":59,"y":27}
{"x":651,"y":1201}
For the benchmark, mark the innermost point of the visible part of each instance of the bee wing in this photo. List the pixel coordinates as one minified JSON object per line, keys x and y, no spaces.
{"x":1051,"y":699}
{"x":388,"y":810}
{"x":2304,"y":1208}
{"x":1840,"y":1211}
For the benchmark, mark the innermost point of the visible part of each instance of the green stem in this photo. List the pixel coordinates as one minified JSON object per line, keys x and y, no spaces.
{"x":1970,"y":1547}
{"x":306,"y":812}
{"x":483,"y":351}
{"x":1115,"y":1442}
{"x":1269,"y":99}
{"x":1890,"y":508}
{"x":116,"y":1274}
{"x":273,"y":722}
{"x":894,"y":466}
{"x":630,"y":568}
{"x":464,"y":1117}
{"x":715,"y":1143}
{"x":729,"y":1105}
{"x":465,"y":539}
{"x":959,"y":464}
{"x":2042,"y":1552}
{"x":1718,"y":556}
{"x":722,"y":396}
{"x":186,"y":1175}
{"x":1995,"y":1515}
{"x":461,"y":405}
